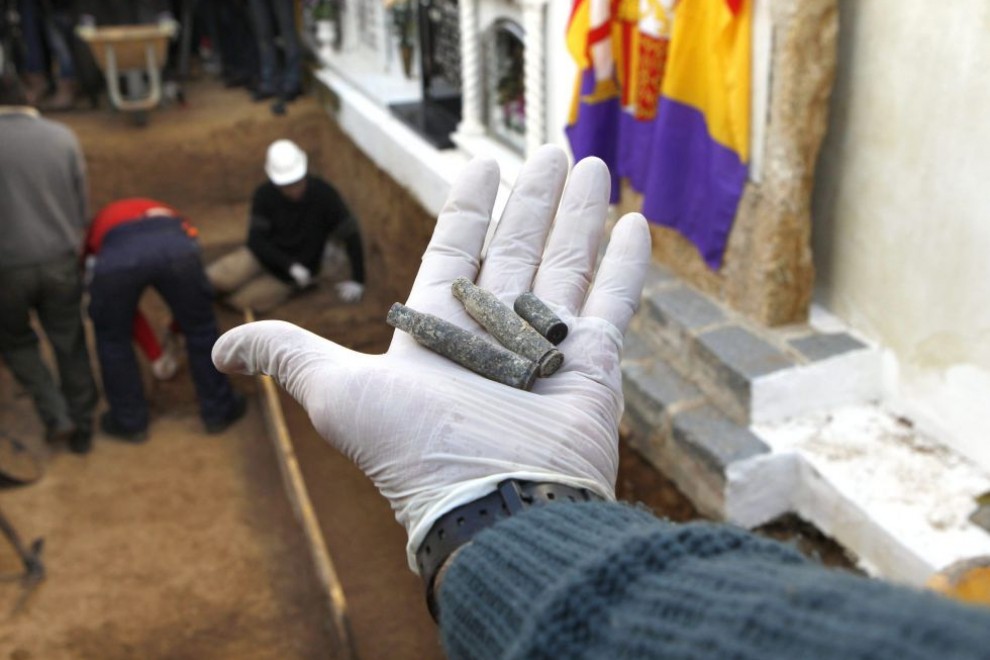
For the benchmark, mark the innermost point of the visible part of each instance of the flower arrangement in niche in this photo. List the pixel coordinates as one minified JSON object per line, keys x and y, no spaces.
{"x":510,"y":88}
{"x":404,"y":25}
{"x":326,"y":16}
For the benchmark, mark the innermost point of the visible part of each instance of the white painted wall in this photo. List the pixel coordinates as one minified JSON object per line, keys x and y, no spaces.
{"x":561,"y":71}
{"x":902,"y":205}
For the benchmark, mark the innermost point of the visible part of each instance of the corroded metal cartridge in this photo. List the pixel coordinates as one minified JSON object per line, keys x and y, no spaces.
{"x":540,"y":316}
{"x":465,"y":348}
{"x":510,"y":329}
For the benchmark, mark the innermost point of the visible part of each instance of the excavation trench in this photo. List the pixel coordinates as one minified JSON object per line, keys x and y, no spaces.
{"x":187,"y":546}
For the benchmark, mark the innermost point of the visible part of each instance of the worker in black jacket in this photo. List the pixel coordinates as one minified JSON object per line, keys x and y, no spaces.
{"x":293,"y":216}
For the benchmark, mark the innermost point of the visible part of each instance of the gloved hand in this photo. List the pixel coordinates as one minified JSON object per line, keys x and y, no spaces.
{"x":165,"y":366}
{"x":433,"y":435}
{"x":301,"y":275}
{"x":350,"y":291}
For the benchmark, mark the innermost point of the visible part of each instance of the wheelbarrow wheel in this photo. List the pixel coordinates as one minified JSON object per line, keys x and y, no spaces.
{"x":140,"y":118}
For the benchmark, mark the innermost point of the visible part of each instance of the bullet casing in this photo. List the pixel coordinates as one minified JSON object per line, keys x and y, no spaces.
{"x":539,"y":315}
{"x":465,"y":348}
{"x":510,"y":329}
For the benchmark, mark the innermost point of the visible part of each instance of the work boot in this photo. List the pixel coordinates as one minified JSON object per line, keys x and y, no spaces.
{"x":111,"y":427}
{"x":81,"y":441}
{"x":262,"y":94}
{"x":64,"y":97}
{"x":35,"y":87}
{"x":59,"y":433}
{"x":236,"y":411}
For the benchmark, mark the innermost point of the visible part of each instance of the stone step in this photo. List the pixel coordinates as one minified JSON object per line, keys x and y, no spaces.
{"x":752,"y":424}
{"x":671,"y":423}
{"x":753,"y":374}
{"x":696,"y":376}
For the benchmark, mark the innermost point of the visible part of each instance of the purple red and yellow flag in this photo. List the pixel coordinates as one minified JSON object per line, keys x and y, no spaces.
{"x":620,"y":47}
{"x":672,"y":120}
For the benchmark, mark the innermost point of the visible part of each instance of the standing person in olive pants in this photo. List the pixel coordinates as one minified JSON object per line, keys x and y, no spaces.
{"x":43,"y":215}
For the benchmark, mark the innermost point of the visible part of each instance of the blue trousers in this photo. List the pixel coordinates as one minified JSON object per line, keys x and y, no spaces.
{"x":43,"y":31}
{"x":229,"y":25}
{"x":153,"y":252}
{"x":262,"y":13}
{"x":32,"y":29}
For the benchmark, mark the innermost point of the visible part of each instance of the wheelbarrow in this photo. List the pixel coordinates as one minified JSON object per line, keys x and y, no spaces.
{"x":136,"y":52}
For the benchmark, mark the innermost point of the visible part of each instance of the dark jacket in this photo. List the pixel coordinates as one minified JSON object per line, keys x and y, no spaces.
{"x":284,"y":232}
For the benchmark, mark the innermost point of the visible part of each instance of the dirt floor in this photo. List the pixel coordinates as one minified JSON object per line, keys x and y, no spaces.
{"x":179,"y":548}
{"x":186,"y":547}
{"x":385,"y":600}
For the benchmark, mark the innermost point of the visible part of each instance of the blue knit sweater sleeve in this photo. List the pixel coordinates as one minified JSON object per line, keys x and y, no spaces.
{"x":605,"y":580}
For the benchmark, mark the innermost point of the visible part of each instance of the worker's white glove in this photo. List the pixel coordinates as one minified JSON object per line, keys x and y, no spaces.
{"x":350,"y":291}
{"x":165,"y":366}
{"x":301,"y":275}
{"x":433,"y":435}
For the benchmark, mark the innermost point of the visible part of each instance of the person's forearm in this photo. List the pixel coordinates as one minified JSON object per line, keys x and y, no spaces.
{"x":608,"y":580}
{"x":268,"y":255}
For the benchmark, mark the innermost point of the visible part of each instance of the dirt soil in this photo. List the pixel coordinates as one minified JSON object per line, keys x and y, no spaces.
{"x":186,"y":547}
{"x":179,"y":548}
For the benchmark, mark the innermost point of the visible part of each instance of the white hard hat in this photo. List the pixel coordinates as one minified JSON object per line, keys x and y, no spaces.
{"x":286,"y":162}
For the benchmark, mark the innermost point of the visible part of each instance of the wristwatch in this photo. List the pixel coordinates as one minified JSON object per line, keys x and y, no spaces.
{"x":459,"y":525}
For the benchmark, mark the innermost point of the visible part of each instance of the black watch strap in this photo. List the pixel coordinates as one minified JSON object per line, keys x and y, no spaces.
{"x":459,"y":525}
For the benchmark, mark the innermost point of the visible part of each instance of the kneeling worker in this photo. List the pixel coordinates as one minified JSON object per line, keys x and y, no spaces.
{"x":139,"y":243}
{"x":293,"y":214}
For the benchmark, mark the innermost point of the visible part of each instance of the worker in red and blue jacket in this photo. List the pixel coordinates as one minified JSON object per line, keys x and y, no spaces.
{"x":140,"y":242}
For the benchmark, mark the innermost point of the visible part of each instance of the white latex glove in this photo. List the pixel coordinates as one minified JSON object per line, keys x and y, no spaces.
{"x":165,"y":366}
{"x":433,"y":435}
{"x":301,"y":275}
{"x":350,"y":291}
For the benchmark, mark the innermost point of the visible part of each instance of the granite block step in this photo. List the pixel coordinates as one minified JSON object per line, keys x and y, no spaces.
{"x":670,"y":422}
{"x":753,"y":374}
{"x":752,"y":423}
